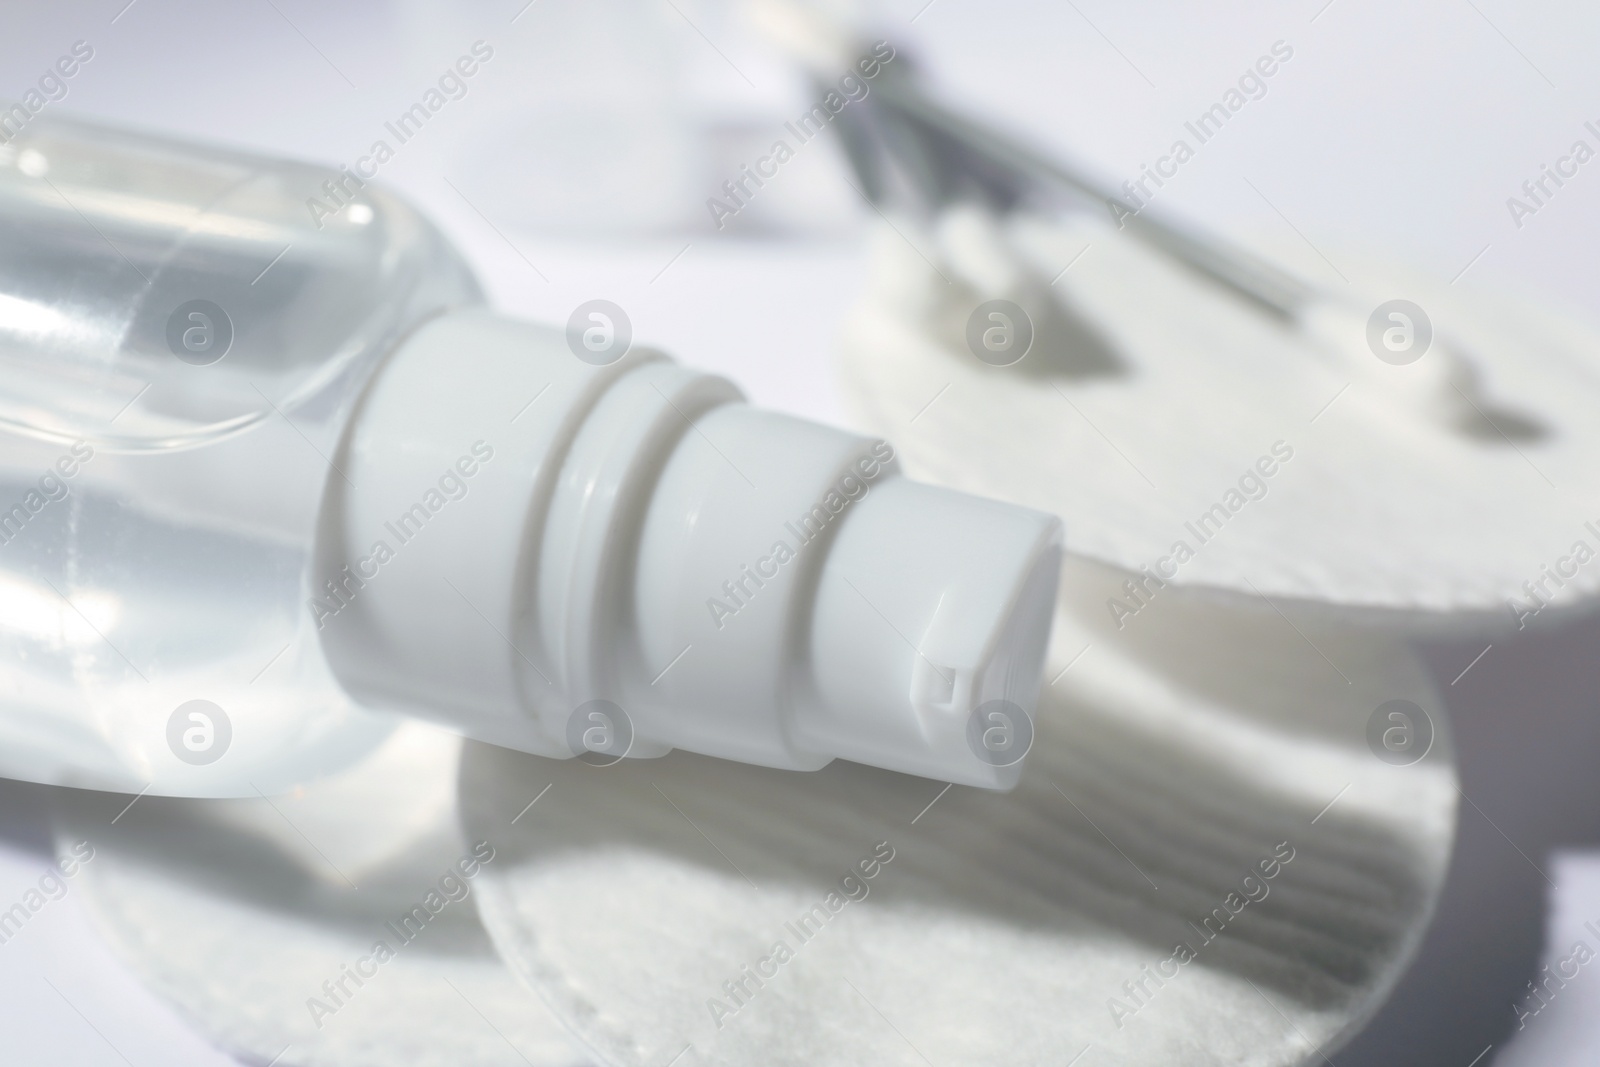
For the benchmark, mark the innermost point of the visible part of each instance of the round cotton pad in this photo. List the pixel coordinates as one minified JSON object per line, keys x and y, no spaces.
{"x":1176,"y":427}
{"x":1205,"y":863}
{"x":246,"y":916}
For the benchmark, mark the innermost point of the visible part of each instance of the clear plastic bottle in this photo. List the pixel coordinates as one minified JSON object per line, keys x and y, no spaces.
{"x":216,"y":404}
{"x":180,"y":496}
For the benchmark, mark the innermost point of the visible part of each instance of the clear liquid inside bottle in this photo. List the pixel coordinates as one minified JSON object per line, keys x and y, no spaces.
{"x":181,"y":343}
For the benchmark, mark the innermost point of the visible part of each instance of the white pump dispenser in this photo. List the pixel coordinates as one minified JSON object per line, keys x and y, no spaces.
{"x":733,"y":581}
{"x":381,"y":497}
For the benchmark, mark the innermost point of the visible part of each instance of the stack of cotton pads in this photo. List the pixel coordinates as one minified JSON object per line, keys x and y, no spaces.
{"x":1177,"y":428}
{"x":1204,"y":864}
{"x":260,"y":920}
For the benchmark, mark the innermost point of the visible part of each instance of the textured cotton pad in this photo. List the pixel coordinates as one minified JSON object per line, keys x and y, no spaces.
{"x":1155,"y":409}
{"x":1201,"y":780}
{"x":237,"y":912}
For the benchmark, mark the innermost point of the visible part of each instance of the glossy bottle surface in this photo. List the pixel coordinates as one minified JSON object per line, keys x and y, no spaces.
{"x":181,"y":343}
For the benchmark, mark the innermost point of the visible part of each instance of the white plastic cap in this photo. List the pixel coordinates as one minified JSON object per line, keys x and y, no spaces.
{"x":624,"y":559}
{"x":929,"y":634}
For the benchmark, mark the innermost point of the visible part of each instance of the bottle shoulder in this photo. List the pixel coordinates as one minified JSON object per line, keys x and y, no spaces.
{"x":156,"y":295}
